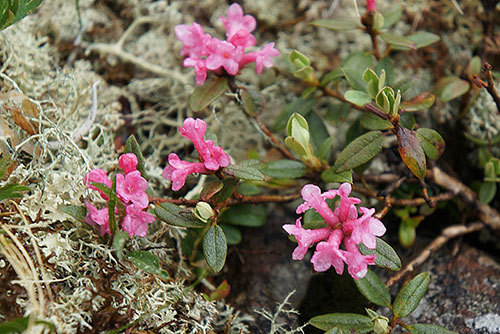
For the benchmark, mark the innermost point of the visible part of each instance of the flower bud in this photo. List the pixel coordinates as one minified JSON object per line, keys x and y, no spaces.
{"x":203,"y":211}
{"x":380,"y":325}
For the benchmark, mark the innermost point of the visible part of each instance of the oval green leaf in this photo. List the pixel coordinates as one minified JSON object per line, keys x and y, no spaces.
{"x":230,"y":184}
{"x":210,"y":189}
{"x":145,"y":261}
{"x":357,"y":97}
{"x":397,"y":40}
{"x":233,"y":234}
{"x":410,"y":295}
{"x":420,"y":102}
{"x":119,"y":240}
{"x":215,"y":248}
{"x":177,"y":216}
{"x":244,"y":215}
{"x":285,"y":169}
{"x":335,"y":25}
{"x":207,"y":93}
{"x":359,"y":151}
{"x":372,"y":122}
{"x":411,"y":151}
{"x":429,"y":329}
{"x":342,"y":321}
{"x":421,"y":39}
{"x":329,"y":175}
{"x":450,"y":88}
{"x":487,"y":192}
{"x":76,"y":211}
{"x":386,"y":256}
{"x":374,"y":289}
{"x":432,"y":142}
{"x":246,"y":170}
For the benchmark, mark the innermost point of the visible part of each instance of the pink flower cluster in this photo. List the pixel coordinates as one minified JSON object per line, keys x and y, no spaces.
{"x":343,"y":226}
{"x":131,"y":191}
{"x":212,"y":157}
{"x":208,"y":53}
{"x":371,"y":5}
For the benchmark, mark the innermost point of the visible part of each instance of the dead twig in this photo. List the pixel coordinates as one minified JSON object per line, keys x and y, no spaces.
{"x":447,"y":234}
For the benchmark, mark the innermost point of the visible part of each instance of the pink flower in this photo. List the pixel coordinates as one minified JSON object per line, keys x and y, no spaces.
{"x":136,"y":221}
{"x":213,"y":156}
{"x":242,"y":38}
{"x":347,"y":203}
{"x":371,"y":5}
{"x":314,"y":199}
{"x":99,"y":176}
{"x":177,"y":170}
{"x":99,"y":217}
{"x":305,"y":238}
{"x":328,"y":255}
{"x":236,"y":21}
{"x":365,"y":228}
{"x":128,"y":162}
{"x":200,"y":68}
{"x":262,"y":58}
{"x":357,"y":264}
{"x":224,"y":54}
{"x":132,"y":188}
{"x":194,"y":39}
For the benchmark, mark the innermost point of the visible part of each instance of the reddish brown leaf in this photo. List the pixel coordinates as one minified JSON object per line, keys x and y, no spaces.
{"x":411,"y":151}
{"x":420,"y":102}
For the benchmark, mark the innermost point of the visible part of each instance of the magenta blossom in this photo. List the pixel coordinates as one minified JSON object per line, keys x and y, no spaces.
{"x":213,"y":156}
{"x":206,"y":53}
{"x":136,"y":221}
{"x":98,"y":175}
{"x":177,"y":170}
{"x":98,"y":217}
{"x":128,"y":162}
{"x":371,"y":5}
{"x":132,"y":188}
{"x":342,"y":227}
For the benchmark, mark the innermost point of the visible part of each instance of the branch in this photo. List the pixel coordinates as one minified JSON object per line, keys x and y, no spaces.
{"x":487,"y":214}
{"x":447,"y":234}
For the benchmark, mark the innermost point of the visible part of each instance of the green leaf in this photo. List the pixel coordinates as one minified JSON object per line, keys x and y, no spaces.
{"x":76,"y":211}
{"x":359,"y":151}
{"x":353,"y":68}
{"x":300,"y":106}
{"x":233,"y":234}
{"x":487,"y":192}
{"x":5,"y":162}
{"x":397,"y":40}
{"x":177,"y":216}
{"x":247,"y":102}
{"x":12,"y":11}
{"x":12,"y":191}
{"x":378,"y":21}
{"x":429,"y":329}
{"x":335,"y":25}
{"x":308,"y":91}
{"x":373,"y":122}
{"x":333,"y":75}
{"x":209,"y":92}
{"x":387,"y":65}
{"x":374,"y":289}
{"x":111,"y":208}
{"x":342,"y":321}
{"x":474,"y":66}
{"x":450,"y":88}
{"x":320,"y":133}
{"x":17,"y":325}
{"x":119,"y":240}
{"x":357,"y":97}
{"x":229,"y":186}
{"x":285,"y":169}
{"x":407,"y":234}
{"x":325,"y":149}
{"x":410,"y":295}
{"x":407,"y":120}
{"x":329,"y":175}
{"x":432,"y":142}
{"x":421,"y":39}
{"x":211,"y":188}
{"x":132,"y":146}
{"x":299,"y":58}
{"x":244,"y":215}
{"x":386,"y":255}
{"x":146,"y":261}
{"x":393,"y":15}
{"x":246,"y":170}
{"x":215,"y":248}
{"x":420,"y":102}
{"x":411,"y":151}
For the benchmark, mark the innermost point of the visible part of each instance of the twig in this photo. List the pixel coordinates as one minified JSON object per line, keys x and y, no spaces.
{"x":283,"y":149}
{"x":487,"y":214}
{"x":491,"y":85}
{"x":447,"y":234}
{"x":232,"y":201}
